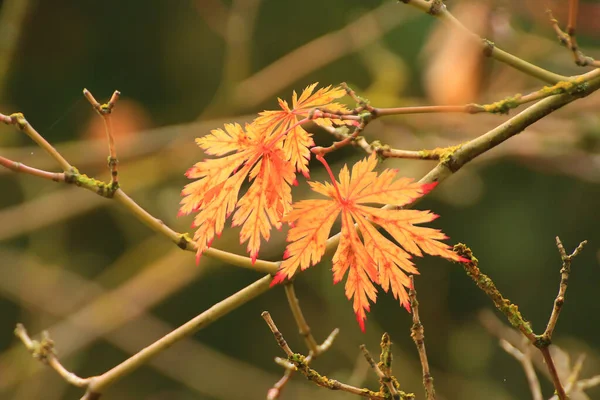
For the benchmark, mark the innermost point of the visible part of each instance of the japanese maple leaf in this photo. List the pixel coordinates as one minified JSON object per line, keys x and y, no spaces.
{"x":372,"y":259}
{"x":298,"y":141}
{"x":258,"y":156}
{"x":267,"y":152}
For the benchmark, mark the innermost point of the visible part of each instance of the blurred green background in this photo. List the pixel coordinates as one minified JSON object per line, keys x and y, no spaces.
{"x":105,"y":286}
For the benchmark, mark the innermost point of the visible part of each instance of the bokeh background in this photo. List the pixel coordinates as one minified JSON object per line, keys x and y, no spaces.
{"x":105,"y":286}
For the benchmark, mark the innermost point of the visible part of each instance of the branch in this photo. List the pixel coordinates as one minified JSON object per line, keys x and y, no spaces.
{"x":98,"y":384}
{"x":564,"y":280}
{"x":275,"y":391}
{"x":19,"y":120}
{"x":120,"y":316}
{"x":418,"y":336}
{"x":487,"y":141}
{"x":569,"y":85}
{"x":44,"y":351}
{"x":587,"y":383}
{"x":514,"y":340}
{"x":542,"y":342}
{"x":315,"y":349}
{"x":384,"y":378}
{"x":19,"y":167}
{"x":184,"y":242}
{"x":110,"y":190}
{"x":439,"y":10}
{"x":301,"y":364}
{"x":303,"y":327}
{"x":105,"y":111}
{"x":366,"y":113}
{"x":568,"y":39}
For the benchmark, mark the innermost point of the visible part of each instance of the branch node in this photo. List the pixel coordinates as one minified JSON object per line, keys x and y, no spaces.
{"x":488,"y":47}
{"x":184,"y":241}
{"x":437,"y":7}
{"x":41,"y":350}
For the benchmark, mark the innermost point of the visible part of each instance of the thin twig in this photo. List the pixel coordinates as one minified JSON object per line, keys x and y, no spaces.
{"x":20,"y":167}
{"x":417,"y":332}
{"x":185,"y":242}
{"x":575,"y":372}
{"x":510,"y":310}
{"x":44,"y":351}
{"x":19,"y":120}
{"x":439,"y":10}
{"x":105,"y":111}
{"x":323,"y":347}
{"x":275,"y":391}
{"x":543,"y":341}
{"x":525,"y":360}
{"x":383,"y":378}
{"x":588,"y":383}
{"x":108,"y":190}
{"x":314,"y":349}
{"x":362,"y":104}
{"x":278,"y":336}
{"x":568,"y":38}
{"x":303,"y":327}
{"x":564,"y":280}
{"x":499,"y":107}
{"x":384,"y":151}
{"x":301,"y":363}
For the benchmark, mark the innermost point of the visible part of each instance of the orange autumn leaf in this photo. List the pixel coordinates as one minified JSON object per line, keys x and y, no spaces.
{"x":215,"y":194}
{"x":267,"y":153}
{"x":374,"y":259}
{"x":298,"y":141}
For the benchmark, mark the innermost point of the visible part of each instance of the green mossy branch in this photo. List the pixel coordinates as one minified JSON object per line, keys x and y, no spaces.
{"x":385,"y":358}
{"x":485,"y":283}
{"x":95,"y":185}
{"x":440,"y":153}
{"x":511,"y":311}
